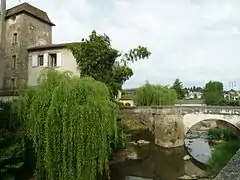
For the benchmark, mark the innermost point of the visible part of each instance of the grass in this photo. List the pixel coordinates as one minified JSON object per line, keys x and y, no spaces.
{"x":224,"y":151}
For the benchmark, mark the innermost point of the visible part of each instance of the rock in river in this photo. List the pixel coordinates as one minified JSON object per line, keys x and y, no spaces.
{"x":186,"y":177}
{"x":186,"y":158}
{"x":142,"y":142}
{"x":136,"y":178}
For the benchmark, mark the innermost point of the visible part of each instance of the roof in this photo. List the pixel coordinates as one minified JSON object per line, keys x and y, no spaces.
{"x":49,"y":46}
{"x":30,"y":10}
{"x":127,"y":97}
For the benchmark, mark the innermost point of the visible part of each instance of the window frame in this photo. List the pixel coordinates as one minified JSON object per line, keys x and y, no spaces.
{"x":40,"y":59}
{"x":15,"y":39}
{"x":53,"y":60}
{"x":14,"y":61}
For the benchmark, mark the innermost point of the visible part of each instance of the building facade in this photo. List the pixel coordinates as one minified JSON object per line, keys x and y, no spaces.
{"x":55,"y":56}
{"x":25,"y":26}
{"x":26,"y":47}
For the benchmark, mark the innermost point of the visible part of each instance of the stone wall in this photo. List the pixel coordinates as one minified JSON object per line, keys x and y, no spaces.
{"x":137,"y":120}
{"x":169,"y":129}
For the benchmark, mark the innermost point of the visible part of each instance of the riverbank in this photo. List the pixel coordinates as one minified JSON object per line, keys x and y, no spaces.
{"x":231,"y":171}
{"x":225,"y":144}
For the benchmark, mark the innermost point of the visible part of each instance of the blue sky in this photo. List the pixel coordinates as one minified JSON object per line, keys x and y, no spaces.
{"x":194,"y":40}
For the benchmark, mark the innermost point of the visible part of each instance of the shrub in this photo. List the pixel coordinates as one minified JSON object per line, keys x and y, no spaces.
{"x":222,"y":154}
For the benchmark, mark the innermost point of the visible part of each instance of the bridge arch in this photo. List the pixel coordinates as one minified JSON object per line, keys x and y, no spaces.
{"x":189,"y":120}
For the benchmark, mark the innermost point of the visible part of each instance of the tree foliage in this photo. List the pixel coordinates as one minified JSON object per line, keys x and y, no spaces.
{"x":178,"y":87}
{"x":71,"y":122}
{"x":11,"y":142}
{"x":155,"y":95}
{"x":213,"y":93}
{"x":97,"y":58}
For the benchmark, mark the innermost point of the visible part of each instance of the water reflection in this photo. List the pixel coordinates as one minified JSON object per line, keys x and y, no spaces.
{"x":154,"y":163}
{"x":198,"y":147}
{"x":198,"y":143}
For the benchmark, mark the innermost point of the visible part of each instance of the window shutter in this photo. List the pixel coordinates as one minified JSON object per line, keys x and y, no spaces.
{"x":59,"y":59}
{"x":34,"y":60}
{"x":45,"y":60}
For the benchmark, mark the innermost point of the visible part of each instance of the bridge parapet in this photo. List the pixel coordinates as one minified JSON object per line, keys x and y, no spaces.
{"x":222,"y":110}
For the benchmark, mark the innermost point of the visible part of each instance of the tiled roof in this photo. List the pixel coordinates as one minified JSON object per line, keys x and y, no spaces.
{"x":49,"y":46}
{"x":31,"y":10}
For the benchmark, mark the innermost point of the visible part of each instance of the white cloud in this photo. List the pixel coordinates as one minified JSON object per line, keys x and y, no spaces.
{"x":195,"y":40}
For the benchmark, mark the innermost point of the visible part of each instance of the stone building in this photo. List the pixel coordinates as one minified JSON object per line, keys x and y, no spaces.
{"x":24,"y":26}
{"x":26,"y":46}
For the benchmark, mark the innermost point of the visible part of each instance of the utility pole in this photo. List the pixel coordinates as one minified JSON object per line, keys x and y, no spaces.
{"x":2,"y":40}
{"x":2,"y":21}
{"x":232,"y":85}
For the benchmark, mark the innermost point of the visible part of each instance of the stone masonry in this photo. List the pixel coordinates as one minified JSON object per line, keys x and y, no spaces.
{"x":171,"y":123}
{"x":25,"y":26}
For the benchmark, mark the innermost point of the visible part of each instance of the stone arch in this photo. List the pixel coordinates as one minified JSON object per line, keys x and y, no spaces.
{"x":190,"y":120}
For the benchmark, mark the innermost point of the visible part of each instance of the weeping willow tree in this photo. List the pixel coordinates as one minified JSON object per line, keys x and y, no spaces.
{"x":155,"y":95}
{"x":71,"y":122}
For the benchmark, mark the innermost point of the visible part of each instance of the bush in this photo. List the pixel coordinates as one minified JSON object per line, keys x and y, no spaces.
{"x":11,"y":141}
{"x":221,"y":134}
{"x":222,"y":154}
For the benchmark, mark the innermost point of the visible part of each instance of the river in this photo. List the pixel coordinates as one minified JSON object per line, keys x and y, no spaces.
{"x":197,"y":145}
{"x":155,"y":163}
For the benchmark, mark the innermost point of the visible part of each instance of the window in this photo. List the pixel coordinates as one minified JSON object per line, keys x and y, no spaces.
{"x":40,"y":60}
{"x":15,"y":38}
{"x":53,"y":60}
{"x":12,"y":83}
{"x":14,"y":61}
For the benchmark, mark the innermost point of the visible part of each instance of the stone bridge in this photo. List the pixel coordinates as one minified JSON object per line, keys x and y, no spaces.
{"x":171,"y":123}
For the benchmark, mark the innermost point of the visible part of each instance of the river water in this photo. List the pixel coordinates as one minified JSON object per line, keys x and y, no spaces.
{"x":197,"y":145}
{"x":153,"y":162}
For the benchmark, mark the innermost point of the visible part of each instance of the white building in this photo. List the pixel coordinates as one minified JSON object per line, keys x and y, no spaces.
{"x":193,"y":95}
{"x":54,"y":55}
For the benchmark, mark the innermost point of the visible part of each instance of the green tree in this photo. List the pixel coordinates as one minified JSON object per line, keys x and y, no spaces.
{"x":72,"y":124}
{"x":155,"y":95}
{"x":178,"y":87}
{"x":11,"y":142}
{"x":213,"y":93}
{"x":97,"y":58}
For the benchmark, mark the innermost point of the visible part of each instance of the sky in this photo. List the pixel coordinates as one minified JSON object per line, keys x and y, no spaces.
{"x":194,"y":40}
